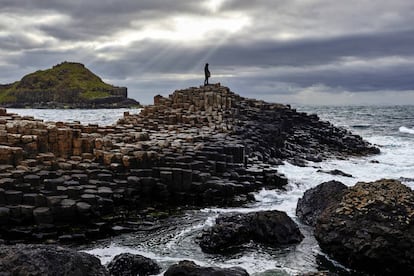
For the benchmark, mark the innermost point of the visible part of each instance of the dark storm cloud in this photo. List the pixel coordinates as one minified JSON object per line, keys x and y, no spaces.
{"x":84,"y":9}
{"x":317,"y":51}
{"x":168,"y":58}
{"x":271,"y":54}
{"x":18,"y":42}
{"x":97,"y":18}
{"x":286,"y":46}
{"x":371,"y":79}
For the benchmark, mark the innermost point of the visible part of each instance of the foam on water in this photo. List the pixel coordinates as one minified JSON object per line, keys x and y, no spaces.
{"x":404,"y":129}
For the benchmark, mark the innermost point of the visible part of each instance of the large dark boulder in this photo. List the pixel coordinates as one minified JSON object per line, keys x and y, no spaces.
{"x":189,"y":268}
{"x":41,"y":260}
{"x":371,"y":228}
{"x":314,"y":201}
{"x":273,"y":228}
{"x":127,"y":264}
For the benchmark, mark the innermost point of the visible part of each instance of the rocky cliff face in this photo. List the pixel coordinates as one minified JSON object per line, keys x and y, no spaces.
{"x":65,"y":85}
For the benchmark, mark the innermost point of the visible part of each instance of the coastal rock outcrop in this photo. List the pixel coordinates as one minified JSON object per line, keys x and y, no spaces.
{"x":66,"y":85}
{"x":127,"y":264}
{"x":43,"y":260}
{"x":199,"y":146}
{"x":371,"y":228}
{"x":314,"y":201}
{"x":189,"y":268}
{"x":273,"y":228}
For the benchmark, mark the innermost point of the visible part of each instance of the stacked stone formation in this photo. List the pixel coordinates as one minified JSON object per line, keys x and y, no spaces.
{"x":199,"y":146}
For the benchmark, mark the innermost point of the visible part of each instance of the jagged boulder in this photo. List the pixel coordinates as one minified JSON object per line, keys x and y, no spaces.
{"x":273,"y":228}
{"x":127,"y":264}
{"x":314,"y":201}
{"x":189,"y":268}
{"x":41,"y":260}
{"x":371,"y":228}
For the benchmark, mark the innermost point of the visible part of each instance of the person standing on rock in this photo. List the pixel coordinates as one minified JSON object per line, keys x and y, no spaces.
{"x":206,"y":74}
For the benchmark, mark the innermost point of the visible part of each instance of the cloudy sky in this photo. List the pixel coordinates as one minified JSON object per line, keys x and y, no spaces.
{"x":290,"y":51}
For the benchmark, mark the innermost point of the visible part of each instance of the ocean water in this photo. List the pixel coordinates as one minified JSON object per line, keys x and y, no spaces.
{"x":391,"y":128}
{"x":102,"y":117}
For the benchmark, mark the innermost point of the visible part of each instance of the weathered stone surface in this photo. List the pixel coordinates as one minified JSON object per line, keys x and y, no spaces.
{"x":371,"y":228}
{"x":43,"y":215}
{"x":11,"y":155}
{"x":189,"y":268}
{"x":127,"y":264}
{"x":40,"y":260}
{"x":336,"y":172}
{"x":13,"y":197}
{"x":4,"y":215}
{"x":314,"y":201}
{"x":83,"y":207}
{"x":273,"y":228}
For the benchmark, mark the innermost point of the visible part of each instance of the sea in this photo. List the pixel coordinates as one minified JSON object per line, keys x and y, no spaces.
{"x":391,"y":128}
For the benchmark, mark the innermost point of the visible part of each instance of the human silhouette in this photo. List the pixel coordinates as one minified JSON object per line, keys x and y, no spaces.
{"x":206,"y":74}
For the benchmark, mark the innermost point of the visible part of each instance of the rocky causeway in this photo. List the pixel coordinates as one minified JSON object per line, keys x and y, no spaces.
{"x":202,"y":146}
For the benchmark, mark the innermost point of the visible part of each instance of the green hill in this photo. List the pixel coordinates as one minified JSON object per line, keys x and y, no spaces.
{"x":69,"y":84}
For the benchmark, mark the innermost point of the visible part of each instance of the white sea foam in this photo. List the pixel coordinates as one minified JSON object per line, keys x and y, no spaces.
{"x":404,"y":129}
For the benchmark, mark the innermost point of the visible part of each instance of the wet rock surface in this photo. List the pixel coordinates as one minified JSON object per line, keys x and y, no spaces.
{"x":272,"y":228}
{"x":68,"y":182}
{"x":336,"y":172}
{"x":314,"y":201}
{"x":189,"y":268}
{"x":127,"y":264}
{"x":371,"y":228}
{"x":319,"y":273}
{"x":43,"y":260}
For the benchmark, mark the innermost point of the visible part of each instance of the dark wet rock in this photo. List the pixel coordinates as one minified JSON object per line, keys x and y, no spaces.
{"x":297,"y":161}
{"x":314,"y":201}
{"x":371,"y":228}
{"x":127,"y":264}
{"x":273,"y":228}
{"x":13,"y":197}
{"x":189,"y":268}
{"x":41,"y":260}
{"x":4,"y":215}
{"x":319,"y":273}
{"x":43,"y":215}
{"x":336,"y":172}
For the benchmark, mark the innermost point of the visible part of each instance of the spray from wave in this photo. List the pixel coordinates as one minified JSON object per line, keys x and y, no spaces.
{"x":404,"y":129}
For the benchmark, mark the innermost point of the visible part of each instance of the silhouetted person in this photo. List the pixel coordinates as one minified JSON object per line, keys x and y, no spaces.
{"x":206,"y":74}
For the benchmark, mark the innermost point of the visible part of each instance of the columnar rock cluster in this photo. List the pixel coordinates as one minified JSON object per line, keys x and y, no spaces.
{"x":199,"y":146}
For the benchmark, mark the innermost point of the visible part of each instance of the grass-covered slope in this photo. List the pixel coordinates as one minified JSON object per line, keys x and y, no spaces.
{"x":66,"y":83}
